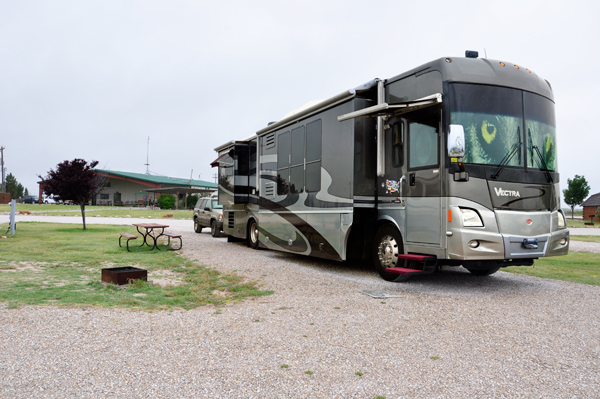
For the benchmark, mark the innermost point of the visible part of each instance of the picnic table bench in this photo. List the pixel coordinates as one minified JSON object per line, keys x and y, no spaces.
{"x":151,"y":232}
{"x":129,"y":237}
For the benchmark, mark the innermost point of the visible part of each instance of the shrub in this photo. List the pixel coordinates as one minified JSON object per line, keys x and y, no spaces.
{"x":166,"y":201}
{"x":192,"y":199}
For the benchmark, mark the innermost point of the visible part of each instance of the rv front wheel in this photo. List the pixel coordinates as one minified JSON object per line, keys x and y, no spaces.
{"x":387,"y":246}
{"x":253,"y":234}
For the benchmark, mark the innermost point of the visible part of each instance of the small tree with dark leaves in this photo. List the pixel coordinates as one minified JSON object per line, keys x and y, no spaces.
{"x":74,"y":180}
{"x":577,"y":191}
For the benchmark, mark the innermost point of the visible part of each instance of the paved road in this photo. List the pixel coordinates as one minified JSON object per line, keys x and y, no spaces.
{"x":180,"y":225}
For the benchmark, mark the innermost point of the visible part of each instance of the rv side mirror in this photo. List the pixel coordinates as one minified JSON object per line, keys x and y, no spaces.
{"x":456,"y":141}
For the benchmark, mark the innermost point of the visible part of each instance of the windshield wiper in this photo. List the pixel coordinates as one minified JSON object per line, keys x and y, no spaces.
{"x":541,"y":163}
{"x":509,"y":155}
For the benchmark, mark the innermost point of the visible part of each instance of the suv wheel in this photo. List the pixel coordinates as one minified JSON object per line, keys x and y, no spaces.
{"x":197,"y":227}
{"x":213,"y":229}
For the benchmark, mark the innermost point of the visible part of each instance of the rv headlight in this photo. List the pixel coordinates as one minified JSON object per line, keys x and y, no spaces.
{"x":471,"y":218}
{"x":561,"y":219}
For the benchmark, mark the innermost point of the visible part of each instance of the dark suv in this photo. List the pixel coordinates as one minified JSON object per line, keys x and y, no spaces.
{"x":208,"y":213}
{"x":31,"y":199}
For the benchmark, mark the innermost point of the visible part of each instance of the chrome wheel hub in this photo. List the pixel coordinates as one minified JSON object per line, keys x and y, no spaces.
{"x":254,"y":233}
{"x":388,"y":252}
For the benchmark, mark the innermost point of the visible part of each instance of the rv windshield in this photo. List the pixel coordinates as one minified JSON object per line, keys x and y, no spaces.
{"x":500,"y":122}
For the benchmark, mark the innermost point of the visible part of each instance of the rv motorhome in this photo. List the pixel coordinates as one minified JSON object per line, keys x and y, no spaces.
{"x":452,"y":163}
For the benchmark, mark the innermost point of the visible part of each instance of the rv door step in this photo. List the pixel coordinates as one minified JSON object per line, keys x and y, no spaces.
{"x":418,"y":258}
{"x":429,"y":264}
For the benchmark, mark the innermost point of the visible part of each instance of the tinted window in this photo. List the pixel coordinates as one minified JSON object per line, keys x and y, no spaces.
{"x":541,"y":131}
{"x":313,"y":140}
{"x":283,"y":150}
{"x":397,"y":138}
{"x":283,"y":163}
{"x":298,"y":145}
{"x":492,"y":118}
{"x":423,"y":145}
{"x":283,"y":181}
{"x":313,"y":177}
{"x":297,"y":179}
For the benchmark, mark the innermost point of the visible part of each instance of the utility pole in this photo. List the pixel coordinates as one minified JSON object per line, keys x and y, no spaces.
{"x":215,"y":176}
{"x":3,"y":182}
{"x":148,"y":156}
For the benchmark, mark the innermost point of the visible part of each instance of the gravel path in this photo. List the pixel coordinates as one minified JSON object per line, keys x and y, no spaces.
{"x":448,"y":335}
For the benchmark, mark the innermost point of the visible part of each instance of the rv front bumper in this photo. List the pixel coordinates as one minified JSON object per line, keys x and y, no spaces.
{"x":473,"y":244}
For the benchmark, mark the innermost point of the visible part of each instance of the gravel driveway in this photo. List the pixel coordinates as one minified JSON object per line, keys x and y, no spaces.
{"x":448,"y":335}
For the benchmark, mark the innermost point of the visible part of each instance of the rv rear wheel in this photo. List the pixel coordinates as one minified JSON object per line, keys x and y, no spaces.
{"x":253,"y":234}
{"x":386,"y":247}
{"x":477,"y":272}
{"x":197,"y":227}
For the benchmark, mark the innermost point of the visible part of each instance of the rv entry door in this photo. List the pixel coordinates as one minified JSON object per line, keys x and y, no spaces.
{"x":423,"y":181}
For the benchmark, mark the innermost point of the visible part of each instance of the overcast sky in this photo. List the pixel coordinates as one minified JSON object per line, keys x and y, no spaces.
{"x":95,"y":79}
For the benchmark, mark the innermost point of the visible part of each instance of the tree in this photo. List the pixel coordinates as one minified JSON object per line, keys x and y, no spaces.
{"x":577,"y":191}
{"x":74,"y":180}
{"x":192,"y":200}
{"x":166,"y":201}
{"x":13,"y":186}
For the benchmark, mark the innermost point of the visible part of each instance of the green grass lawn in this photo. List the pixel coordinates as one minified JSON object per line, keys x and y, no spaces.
{"x":586,"y":238}
{"x":581,"y":223}
{"x":46,"y":263}
{"x":577,"y":267}
{"x":92,"y":211}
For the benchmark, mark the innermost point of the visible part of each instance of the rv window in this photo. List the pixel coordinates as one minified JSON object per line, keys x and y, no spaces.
{"x":313,"y":141}
{"x":313,"y":177}
{"x":423,"y":145}
{"x":298,"y":146}
{"x":297,"y":179}
{"x":397,"y":141}
{"x":313,"y":156}
{"x":283,"y":150}
{"x":282,"y":181}
{"x":283,"y":163}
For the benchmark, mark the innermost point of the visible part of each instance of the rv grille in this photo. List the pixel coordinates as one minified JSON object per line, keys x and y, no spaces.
{"x":269,"y":190}
{"x":270,"y":140}
{"x":231,"y":220}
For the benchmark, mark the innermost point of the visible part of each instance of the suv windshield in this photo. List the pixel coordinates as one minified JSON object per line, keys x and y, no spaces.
{"x":499,"y":120}
{"x":215,"y":204}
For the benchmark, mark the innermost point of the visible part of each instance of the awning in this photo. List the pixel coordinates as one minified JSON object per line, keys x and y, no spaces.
{"x":180,"y":190}
{"x":385,"y":109}
{"x":215,"y":163}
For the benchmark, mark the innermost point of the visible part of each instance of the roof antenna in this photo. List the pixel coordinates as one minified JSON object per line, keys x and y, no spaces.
{"x":147,"y":156}
{"x":485,"y":52}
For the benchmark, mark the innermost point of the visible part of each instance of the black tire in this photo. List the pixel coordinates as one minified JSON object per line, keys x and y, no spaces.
{"x":213,"y":229}
{"x":197,"y":227}
{"x":386,"y":247}
{"x":488,"y":272}
{"x":253,"y":234}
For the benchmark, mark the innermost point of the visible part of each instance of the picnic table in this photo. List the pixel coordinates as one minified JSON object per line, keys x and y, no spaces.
{"x":150,"y":232}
